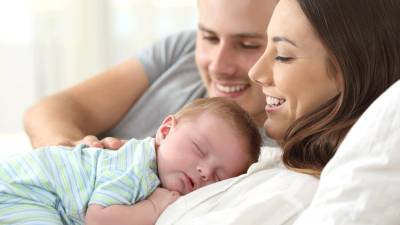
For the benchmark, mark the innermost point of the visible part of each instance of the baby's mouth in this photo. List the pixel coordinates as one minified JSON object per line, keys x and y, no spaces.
{"x":190,"y":184}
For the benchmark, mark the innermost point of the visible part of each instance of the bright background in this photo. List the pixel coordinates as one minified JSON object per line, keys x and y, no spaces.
{"x":48,"y":45}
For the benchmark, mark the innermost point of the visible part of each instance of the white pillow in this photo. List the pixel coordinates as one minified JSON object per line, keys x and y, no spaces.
{"x":361,"y":184}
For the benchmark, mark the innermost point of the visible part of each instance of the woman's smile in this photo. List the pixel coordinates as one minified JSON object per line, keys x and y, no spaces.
{"x":273,"y":103}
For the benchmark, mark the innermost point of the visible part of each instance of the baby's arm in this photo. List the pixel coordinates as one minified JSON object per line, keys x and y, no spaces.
{"x":141,"y":213}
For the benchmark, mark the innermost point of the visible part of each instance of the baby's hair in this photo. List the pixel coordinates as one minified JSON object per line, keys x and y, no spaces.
{"x":232,"y":113}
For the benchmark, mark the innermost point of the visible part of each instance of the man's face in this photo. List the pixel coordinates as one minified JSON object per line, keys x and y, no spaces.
{"x":199,"y":151}
{"x":230,"y":39}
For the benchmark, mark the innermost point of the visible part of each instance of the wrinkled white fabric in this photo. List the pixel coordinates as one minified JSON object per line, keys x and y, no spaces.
{"x":361,"y":184}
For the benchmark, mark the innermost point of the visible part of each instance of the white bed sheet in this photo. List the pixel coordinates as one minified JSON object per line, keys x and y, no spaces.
{"x":13,"y":143}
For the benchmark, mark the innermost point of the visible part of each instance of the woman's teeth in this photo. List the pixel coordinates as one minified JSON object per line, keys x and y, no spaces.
{"x":231,"y":88}
{"x":274,"y":102}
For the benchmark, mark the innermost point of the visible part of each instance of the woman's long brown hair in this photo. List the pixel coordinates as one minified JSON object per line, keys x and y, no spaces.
{"x":363,"y":39}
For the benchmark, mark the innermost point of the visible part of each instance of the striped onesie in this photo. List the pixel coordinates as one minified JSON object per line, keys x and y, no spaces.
{"x":55,"y":185}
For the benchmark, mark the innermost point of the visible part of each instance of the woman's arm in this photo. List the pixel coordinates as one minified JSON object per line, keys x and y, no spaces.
{"x":141,"y":213}
{"x":91,"y":107}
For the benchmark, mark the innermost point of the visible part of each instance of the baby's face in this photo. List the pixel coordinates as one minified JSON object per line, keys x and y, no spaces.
{"x":200,"y":151}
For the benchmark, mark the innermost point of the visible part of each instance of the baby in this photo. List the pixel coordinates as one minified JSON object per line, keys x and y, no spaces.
{"x":207,"y":141}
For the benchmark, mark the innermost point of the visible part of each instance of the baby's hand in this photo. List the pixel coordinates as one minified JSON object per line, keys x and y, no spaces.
{"x":161,"y":198}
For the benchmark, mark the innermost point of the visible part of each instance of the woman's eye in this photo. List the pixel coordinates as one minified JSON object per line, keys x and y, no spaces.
{"x":282,"y":59}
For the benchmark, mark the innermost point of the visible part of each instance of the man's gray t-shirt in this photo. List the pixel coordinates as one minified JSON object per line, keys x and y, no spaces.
{"x":174,"y":82}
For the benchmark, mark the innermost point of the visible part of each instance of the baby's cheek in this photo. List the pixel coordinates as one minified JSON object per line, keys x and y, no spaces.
{"x":173,"y":184}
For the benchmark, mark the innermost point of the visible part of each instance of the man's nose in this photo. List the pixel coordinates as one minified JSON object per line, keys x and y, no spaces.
{"x":223,"y":60}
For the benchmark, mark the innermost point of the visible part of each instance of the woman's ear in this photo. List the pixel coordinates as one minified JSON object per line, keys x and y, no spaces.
{"x":335,"y":71}
{"x":168,"y":123}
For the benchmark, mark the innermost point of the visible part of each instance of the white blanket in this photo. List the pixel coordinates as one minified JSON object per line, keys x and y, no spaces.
{"x":361,"y":184}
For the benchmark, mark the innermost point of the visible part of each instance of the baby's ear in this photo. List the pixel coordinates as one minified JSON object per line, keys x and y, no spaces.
{"x":165,"y":127}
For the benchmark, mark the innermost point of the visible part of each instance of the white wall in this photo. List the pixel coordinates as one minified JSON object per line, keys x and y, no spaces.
{"x":47,"y":45}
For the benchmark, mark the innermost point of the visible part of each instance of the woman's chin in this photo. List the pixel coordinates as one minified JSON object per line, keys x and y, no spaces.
{"x":274,"y":132}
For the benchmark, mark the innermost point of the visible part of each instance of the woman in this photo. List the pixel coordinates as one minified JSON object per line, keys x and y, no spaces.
{"x":326,"y":61}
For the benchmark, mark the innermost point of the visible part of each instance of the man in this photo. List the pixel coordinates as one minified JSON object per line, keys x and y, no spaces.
{"x":131,"y":99}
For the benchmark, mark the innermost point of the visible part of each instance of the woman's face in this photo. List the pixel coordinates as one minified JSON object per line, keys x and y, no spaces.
{"x":230,"y":39}
{"x":293,"y":72}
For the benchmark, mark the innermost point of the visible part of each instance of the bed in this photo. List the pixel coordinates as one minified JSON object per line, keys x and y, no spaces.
{"x":359,"y":186}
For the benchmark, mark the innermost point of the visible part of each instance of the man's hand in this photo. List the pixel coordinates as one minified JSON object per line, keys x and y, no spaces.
{"x":161,"y":198}
{"x":92,"y":141}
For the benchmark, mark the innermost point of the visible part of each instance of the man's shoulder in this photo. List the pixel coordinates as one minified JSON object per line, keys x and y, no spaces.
{"x":184,"y":40}
{"x":188,"y":35}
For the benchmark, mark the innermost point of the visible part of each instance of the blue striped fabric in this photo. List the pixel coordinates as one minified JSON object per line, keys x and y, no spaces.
{"x":54,"y":185}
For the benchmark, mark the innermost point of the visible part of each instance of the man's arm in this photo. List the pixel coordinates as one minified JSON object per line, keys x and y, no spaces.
{"x":91,"y":107}
{"x":145,"y":212}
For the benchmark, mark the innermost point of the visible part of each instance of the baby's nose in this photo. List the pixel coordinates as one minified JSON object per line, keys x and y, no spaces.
{"x":206,"y":174}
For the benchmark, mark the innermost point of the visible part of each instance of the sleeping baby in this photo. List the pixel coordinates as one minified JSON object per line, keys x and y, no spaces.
{"x":207,"y":141}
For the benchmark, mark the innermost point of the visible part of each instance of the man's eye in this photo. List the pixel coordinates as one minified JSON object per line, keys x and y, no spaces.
{"x":250,"y":46}
{"x":211,"y":39}
{"x":282,"y":59}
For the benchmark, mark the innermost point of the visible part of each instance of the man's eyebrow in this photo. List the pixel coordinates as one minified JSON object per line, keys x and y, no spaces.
{"x":250,"y":35}
{"x":238,"y":35}
{"x":203,"y":28}
{"x":280,"y":39}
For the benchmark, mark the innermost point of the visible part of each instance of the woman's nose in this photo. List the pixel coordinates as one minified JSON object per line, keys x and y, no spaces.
{"x":261,"y":72}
